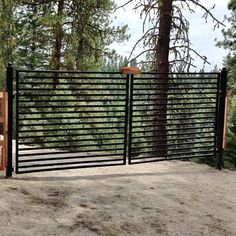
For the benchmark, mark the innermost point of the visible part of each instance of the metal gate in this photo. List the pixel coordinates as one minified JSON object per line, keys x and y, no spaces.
{"x":185,"y":106}
{"x":68,"y":119}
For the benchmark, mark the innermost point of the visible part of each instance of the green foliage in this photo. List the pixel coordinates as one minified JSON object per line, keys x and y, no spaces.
{"x":229,"y":43}
{"x":7,"y":39}
{"x":62,"y":34}
{"x":115,"y":63}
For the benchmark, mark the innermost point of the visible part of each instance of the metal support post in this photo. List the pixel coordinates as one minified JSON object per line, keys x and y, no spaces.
{"x":221,"y":120}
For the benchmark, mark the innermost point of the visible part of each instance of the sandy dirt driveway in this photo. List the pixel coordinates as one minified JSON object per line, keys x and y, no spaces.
{"x":166,"y":198}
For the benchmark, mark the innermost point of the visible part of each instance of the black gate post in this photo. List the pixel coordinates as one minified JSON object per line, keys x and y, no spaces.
{"x":130,"y":72}
{"x":221,"y":120}
{"x":130,"y":117}
{"x":9,"y":85}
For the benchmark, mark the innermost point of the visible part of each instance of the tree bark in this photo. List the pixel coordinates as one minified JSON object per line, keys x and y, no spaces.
{"x":58,"y":40}
{"x":161,"y":87}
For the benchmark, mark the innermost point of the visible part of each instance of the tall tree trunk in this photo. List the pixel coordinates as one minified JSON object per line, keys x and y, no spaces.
{"x":162,"y":68}
{"x":58,"y":38}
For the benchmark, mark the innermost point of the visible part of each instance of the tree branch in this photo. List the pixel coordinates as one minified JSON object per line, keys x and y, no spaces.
{"x":123,"y":5}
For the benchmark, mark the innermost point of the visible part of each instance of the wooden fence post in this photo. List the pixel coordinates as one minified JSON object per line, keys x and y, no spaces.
{"x":4,"y":122}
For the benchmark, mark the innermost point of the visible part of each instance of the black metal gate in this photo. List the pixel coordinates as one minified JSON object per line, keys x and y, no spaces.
{"x":191,"y":121}
{"x":68,"y":119}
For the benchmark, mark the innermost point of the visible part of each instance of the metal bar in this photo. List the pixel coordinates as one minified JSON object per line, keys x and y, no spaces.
{"x":174,"y":88}
{"x":73,"y":106}
{"x":217,"y":117}
{"x":69,"y":117}
{"x":71,"y":163}
{"x":174,"y":104}
{"x":72,"y":89}
{"x":69,"y":83}
{"x":175,"y":83}
{"x":175,"y":144}
{"x":67,"y":158}
{"x":68,"y":135}
{"x":71,"y":123}
{"x":73,"y":100}
{"x":167,"y":159}
{"x":126,"y":137}
{"x":192,"y":93}
{"x":65,"y":168}
{"x":71,"y":95}
{"x":183,"y":129}
{"x":111,"y":122}
{"x":173,"y":119}
{"x":174,"y":154}
{"x":17,"y":121}
{"x":174,"y":109}
{"x":177,"y":98}
{"x":177,"y":114}
{"x":60,"y":130}
{"x":62,"y":153}
{"x":174,"y":124}
{"x":173,"y":135}
{"x":69,"y":140}
{"x":68,"y":112}
{"x":174,"y":139}
{"x":221,"y":115}
{"x":130,"y":132}
{"x":182,"y":73}
{"x":70,"y":146}
{"x":70,"y":72}
{"x":9,"y":85}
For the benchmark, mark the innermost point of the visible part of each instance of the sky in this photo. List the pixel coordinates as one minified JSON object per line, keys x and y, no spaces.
{"x":202,"y":35}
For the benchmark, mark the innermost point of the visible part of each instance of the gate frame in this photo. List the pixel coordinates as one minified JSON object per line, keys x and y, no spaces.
{"x":220,"y":115}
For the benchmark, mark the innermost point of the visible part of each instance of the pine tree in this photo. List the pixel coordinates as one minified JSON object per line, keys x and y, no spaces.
{"x":64,"y":34}
{"x":7,"y":38}
{"x":229,"y":43}
{"x":166,"y":38}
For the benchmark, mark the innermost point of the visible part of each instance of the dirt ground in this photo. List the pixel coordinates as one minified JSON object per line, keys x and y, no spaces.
{"x":165,"y":198}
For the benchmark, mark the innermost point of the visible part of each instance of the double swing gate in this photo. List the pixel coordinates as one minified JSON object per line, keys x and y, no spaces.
{"x":68,"y":119}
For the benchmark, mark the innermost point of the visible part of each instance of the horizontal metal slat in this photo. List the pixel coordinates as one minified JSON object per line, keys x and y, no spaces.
{"x":175,"y":144}
{"x":169,"y":130}
{"x":69,"y":83}
{"x":71,"y":106}
{"x":68,"y":146}
{"x":67,"y":157}
{"x":71,"y":89}
{"x":173,"y":139}
{"x":69,"y":117}
{"x":151,"y":159}
{"x":68,"y":112}
{"x":174,"y":154}
{"x":176,"y":135}
{"x":60,"y":130}
{"x":70,"y":123}
{"x":67,"y":135}
{"x":68,"y":140}
{"x":69,"y":163}
{"x":19,"y":171}
{"x":173,"y":109}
